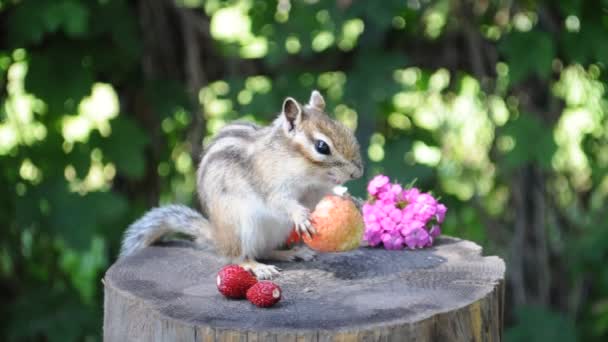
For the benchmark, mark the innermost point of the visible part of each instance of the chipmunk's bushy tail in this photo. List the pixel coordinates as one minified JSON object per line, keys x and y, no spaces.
{"x":160,"y":221}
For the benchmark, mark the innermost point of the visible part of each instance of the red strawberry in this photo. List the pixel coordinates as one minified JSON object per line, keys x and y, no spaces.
{"x":233,"y":281}
{"x":264,"y":294}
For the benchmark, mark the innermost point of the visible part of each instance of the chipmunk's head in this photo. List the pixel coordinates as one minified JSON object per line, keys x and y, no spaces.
{"x":329,"y":147}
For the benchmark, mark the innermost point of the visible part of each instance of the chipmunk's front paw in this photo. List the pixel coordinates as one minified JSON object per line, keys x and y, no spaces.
{"x":261,"y":271}
{"x":296,"y":253}
{"x":301,"y":219}
{"x":304,"y":253}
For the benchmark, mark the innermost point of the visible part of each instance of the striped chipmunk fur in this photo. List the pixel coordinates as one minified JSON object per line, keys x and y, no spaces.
{"x":256,"y":183}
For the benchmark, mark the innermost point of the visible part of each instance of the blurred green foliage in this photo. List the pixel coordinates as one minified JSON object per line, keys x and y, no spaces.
{"x":497,"y":106}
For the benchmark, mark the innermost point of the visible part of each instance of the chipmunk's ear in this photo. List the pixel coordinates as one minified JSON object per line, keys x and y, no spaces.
{"x":292,"y":112}
{"x":317,"y":101}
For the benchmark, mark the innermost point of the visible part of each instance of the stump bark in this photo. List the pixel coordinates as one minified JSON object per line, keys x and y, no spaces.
{"x":449,"y":292}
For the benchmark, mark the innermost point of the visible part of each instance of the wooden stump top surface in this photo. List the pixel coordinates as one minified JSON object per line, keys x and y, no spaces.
{"x":367,"y":287}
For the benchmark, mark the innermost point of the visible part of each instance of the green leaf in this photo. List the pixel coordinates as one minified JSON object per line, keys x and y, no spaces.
{"x":75,"y":18}
{"x":84,"y":266}
{"x":372,"y":76}
{"x":31,"y":20}
{"x":116,"y":18}
{"x":378,"y":13}
{"x":71,"y":218}
{"x":68,"y":216}
{"x":166,"y":96}
{"x":59,"y":78}
{"x":570,"y":7}
{"x":52,"y":312}
{"x":528,"y":53}
{"x":109,"y":207}
{"x":125,"y":147}
{"x":582,"y":47}
{"x":534,"y":142}
{"x":80,"y":158}
{"x":26,"y":24}
{"x":541,"y":324}
{"x":71,"y":16}
{"x":576,"y":47}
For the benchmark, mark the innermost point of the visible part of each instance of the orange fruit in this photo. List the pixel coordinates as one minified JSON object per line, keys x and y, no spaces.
{"x":339,"y":225}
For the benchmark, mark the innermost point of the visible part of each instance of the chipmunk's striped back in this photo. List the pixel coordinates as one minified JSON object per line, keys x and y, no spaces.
{"x":230,"y":147}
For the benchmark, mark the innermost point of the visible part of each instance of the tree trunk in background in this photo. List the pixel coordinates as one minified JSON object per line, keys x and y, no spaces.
{"x":529,"y":262}
{"x":175,"y":41}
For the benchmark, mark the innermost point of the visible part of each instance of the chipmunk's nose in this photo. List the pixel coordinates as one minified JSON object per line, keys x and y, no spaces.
{"x":358,"y":172}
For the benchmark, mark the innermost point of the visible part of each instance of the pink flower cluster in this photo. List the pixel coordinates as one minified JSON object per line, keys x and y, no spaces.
{"x":398,"y":217}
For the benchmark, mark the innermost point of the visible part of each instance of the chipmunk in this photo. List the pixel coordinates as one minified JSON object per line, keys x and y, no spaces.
{"x":257,"y":183}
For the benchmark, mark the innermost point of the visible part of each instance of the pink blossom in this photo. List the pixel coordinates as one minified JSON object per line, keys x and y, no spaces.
{"x":410,"y":226}
{"x":417,"y":238}
{"x":426,"y":211}
{"x":400,"y":217}
{"x":411,"y":195}
{"x":374,"y":226}
{"x":395,"y":214}
{"x":396,"y":189}
{"x":386,"y":196}
{"x":440,"y":214}
{"x":370,"y":218}
{"x":367,"y":209}
{"x":373,"y":234}
{"x":387,"y":206}
{"x":435,"y":231}
{"x":426,"y":199}
{"x":407,"y":213}
{"x":392,"y":241}
{"x":378,"y":184}
{"x":387,"y":224}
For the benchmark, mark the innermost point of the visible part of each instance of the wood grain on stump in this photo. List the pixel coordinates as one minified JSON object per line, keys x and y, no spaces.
{"x":449,"y":292}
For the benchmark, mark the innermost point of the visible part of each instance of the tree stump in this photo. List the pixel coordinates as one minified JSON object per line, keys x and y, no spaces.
{"x":449,"y":292}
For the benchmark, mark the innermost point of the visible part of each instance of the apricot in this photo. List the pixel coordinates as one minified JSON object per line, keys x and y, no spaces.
{"x":338,"y":223}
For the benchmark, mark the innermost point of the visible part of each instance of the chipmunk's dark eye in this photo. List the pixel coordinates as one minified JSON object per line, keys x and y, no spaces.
{"x":321,"y":147}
